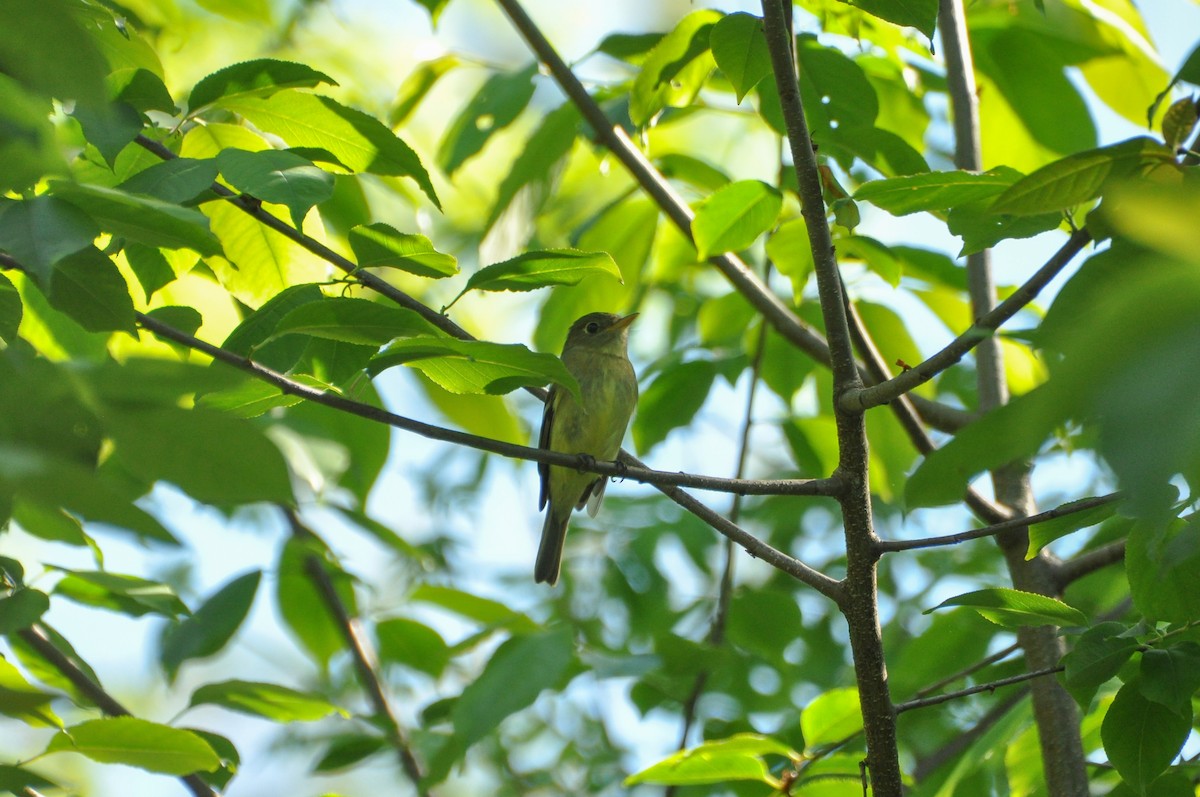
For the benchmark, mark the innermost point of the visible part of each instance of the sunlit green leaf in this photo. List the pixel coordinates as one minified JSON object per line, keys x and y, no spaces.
{"x":732,"y":219}
{"x":261,"y":77}
{"x":542,"y":268}
{"x":142,"y":218}
{"x":740,"y":50}
{"x":475,"y":366}
{"x":1013,"y":608}
{"x":676,"y":68}
{"x":738,"y":757}
{"x":919,"y":14}
{"x":137,"y":743}
{"x":380,"y":245}
{"x":131,"y":595}
{"x":211,"y":626}
{"x":277,"y":176}
{"x":494,"y":107}
{"x":270,"y":701}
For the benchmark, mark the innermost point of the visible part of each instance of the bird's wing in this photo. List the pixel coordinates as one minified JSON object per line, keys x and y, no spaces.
{"x":593,"y":496}
{"x":544,"y":442}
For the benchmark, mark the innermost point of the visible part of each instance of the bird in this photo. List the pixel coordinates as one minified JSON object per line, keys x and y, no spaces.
{"x":596,"y":353}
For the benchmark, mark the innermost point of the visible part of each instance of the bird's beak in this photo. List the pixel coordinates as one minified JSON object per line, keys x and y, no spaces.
{"x":621,"y":323}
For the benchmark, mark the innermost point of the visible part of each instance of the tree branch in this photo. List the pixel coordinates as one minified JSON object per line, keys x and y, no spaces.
{"x":365,"y":660}
{"x":1085,"y":564}
{"x":981,"y":330}
{"x":990,"y":686}
{"x":1082,"y":505}
{"x":35,"y":636}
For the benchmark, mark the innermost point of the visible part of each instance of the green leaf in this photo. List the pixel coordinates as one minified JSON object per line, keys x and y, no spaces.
{"x":732,"y":219}
{"x":21,"y":608}
{"x":533,"y":270}
{"x":413,"y":644}
{"x":261,"y":77}
{"x":51,"y":524}
{"x":10,"y":311}
{"x":380,"y":245}
{"x":353,"y":321}
{"x":738,"y":757}
{"x":177,"y":180}
{"x":1042,"y":534}
{"x":251,"y":11}
{"x":345,"y":751}
{"x":494,"y":107}
{"x":1097,"y":657}
{"x":1078,"y":178}
{"x":671,"y":76}
{"x":277,"y":176}
{"x":44,"y":46}
{"x":1142,"y":737}
{"x":88,"y":287}
{"x":475,"y":366}
{"x":831,"y":718}
{"x":1171,"y":675}
{"x":360,"y":141}
{"x":213,"y":457}
{"x":1162,"y":563}
{"x":919,"y":14}
{"x":435,"y":8}
{"x":836,"y":93}
{"x":517,"y":673}
{"x":211,"y":626}
{"x":269,"y":701}
{"x":21,"y":700}
{"x":981,"y":229}
{"x":20,"y":780}
{"x":417,"y":85}
{"x":39,"y":232}
{"x":473,"y":607}
{"x":740,"y":50}
{"x":548,"y":145}
{"x":1016,"y":609}
{"x":1179,"y":121}
{"x":671,"y":401}
{"x":303,"y":607}
{"x":789,"y":250}
{"x":142,"y":218}
{"x":137,"y":743}
{"x":130,"y":595}
{"x":934,"y":191}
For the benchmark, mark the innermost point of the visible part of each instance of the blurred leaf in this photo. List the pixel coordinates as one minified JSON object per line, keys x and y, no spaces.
{"x":474,"y":607}
{"x":277,"y":176}
{"x":630,"y":47}
{"x":740,"y":757}
{"x":934,"y":191}
{"x":360,"y":141}
{"x":269,"y":701}
{"x":137,"y":743}
{"x":88,"y":287}
{"x":141,"y":218}
{"x":10,"y":311}
{"x":417,"y":85}
{"x":413,"y":644}
{"x":732,"y":219}
{"x":383,"y":246}
{"x":346,"y":751}
{"x":836,"y":93}
{"x":20,"y":780}
{"x":676,"y":68}
{"x":50,"y":524}
{"x":494,"y":107}
{"x":831,"y":718}
{"x":44,"y":45}
{"x":20,"y":700}
{"x":176,"y":181}
{"x":475,"y":366}
{"x":1014,"y":609}
{"x":1042,"y":534}
{"x":303,"y":607}
{"x":40,"y":231}
{"x":1142,"y":737}
{"x":1179,"y":122}
{"x":549,"y":144}
{"x":1162,"y":562}
{"x":131,"y":595}
{"x":211,"y":456}
{"x":519,"y":670}
{"x":790,"y":252}
{"x":211,"y":626}
{"x":671,"y":401}
{"x":740,"y":50}
{"x":21,"y":608}
{"x":261,"y":77}
{"x":249,"y":11}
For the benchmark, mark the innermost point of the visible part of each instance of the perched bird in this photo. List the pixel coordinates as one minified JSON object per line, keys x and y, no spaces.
{"x":596,"y":354}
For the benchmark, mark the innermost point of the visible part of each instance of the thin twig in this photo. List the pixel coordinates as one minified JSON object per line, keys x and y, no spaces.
{"x":1082,"y":505}
{"x":982,"y":329}
{"x":35,"y":636}
{"x":987,"y":661}
{"x":365,"y":660}
{"x":990,"y":686}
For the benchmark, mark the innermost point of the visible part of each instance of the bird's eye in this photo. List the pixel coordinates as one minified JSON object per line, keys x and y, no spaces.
{"x":592,"y":328}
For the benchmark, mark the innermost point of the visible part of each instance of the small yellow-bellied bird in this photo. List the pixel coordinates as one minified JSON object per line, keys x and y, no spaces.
{"x":596,"y":354}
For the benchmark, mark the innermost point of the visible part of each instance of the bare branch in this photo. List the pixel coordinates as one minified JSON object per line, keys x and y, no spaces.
{"x":990,"y":686}
{"x":365,"y":660}
{"x":987,"y":661}
{"x":1082,"y":505}
{"x":882,"y":393}
{"x":1087,"y":563}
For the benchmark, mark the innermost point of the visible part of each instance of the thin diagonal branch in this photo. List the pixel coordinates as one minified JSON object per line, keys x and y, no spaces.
{"x":1082,"y":505}
{"x":990,"y":686}
{"x":987,"y":661}
{"x":365,"y":660}
{"x":37,"y":639}
{"x":982,"y":329}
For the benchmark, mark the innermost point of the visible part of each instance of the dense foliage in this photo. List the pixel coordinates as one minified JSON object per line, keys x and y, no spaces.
{"x":237,"y":276}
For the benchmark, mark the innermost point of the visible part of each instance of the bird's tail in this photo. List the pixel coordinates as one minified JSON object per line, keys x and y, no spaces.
{"x":549,"y":557}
